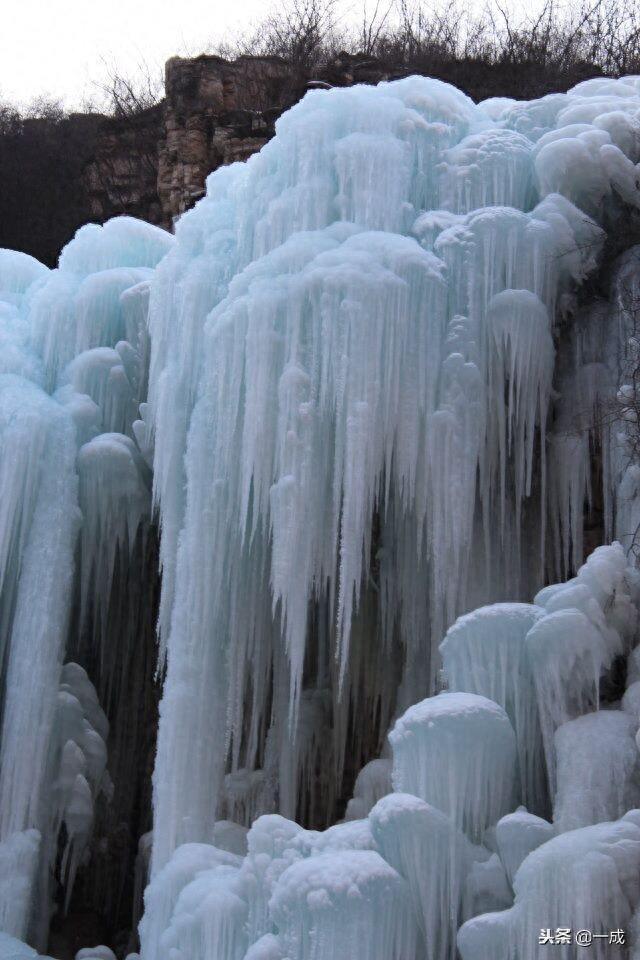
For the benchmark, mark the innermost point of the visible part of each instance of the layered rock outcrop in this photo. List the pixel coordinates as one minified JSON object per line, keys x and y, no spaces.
{"x":154,"y":165}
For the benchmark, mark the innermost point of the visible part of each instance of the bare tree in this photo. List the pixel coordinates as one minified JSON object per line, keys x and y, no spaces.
{"x":373,"y":26}
{"x":126,"y":95}
{"x":299,"y":33}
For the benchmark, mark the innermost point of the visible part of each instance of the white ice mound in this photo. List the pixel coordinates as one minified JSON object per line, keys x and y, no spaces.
{"x":18,"y":273}
{"x":517,"y":835}
{"x":100,"y":952}
{"x":570,"y":656}
{"x":209,"y":918}
{"x":372,"y":783}
{"x":120,"y":242}
{"x":434,"y":856}
{"x":457,"y":751}
{"x":590,"y":621}
{"x":337,"y":906}
{"x":84,"y":303}
{"x":102,"y":374}
{"x":492,"y":168}
{"x":70,"y":315}
{"x":266,"y":948}
{"x":484,"y":652}
{"x":586,"y":879}
{"x":598,"y":769}
{"x":162,"y":895}
{"x":12,"y":949}
{"x":487,"y":887}
{"x":274,"y":843}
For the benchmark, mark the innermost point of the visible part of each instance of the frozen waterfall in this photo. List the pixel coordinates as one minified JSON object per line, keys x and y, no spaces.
{"x":340,"y":448}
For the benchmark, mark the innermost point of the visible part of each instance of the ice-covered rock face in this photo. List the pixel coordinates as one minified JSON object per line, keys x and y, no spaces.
{"x":335,"y":387}
{"x":100,"y":952}
{"x":354,"y":331}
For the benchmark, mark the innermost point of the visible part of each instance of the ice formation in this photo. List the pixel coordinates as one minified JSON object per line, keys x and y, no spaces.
{"x":62,"y":515}
{"x":434,"y":857}
{"x":363,"y":391}
{"x":598,"y":775}
{"x":484,"y":652}
{"x":457,"y":751}
{"x":586,"y":879}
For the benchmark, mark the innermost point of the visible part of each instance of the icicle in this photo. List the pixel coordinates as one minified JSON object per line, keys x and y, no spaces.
{"x":39,"y":453}
{"x":19,"y":859}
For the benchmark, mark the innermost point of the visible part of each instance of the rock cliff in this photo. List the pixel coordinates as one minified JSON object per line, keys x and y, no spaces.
{"x":154,"y":164}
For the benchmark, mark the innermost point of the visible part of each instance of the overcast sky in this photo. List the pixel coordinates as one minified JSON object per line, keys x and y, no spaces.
{"x":63,"y":49}
{"x":57,"y":47}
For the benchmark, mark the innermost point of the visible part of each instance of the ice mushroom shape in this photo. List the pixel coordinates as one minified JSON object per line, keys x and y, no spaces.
{"x":457,"y":751}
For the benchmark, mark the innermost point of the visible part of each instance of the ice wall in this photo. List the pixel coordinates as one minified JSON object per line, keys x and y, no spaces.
{"x":363,"y":391}
{"x":357,"y":430}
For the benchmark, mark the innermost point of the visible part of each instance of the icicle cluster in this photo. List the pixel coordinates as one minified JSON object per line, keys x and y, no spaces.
{"x":351,"y":386}
{"x":449,"y":861}
{"x":74,"y":494}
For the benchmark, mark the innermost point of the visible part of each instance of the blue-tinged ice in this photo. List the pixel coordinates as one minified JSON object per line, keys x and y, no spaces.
{"x":341,"y":905}
{"x":586,"y":879}
{"x":53,"y":753}
{"x":434,"y":856}
{"x":517,"y":835}
{"x":484,"y":652}
{"x":363,"y":393}
{"x":598,"y":769}
{"x":457,"y":751}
